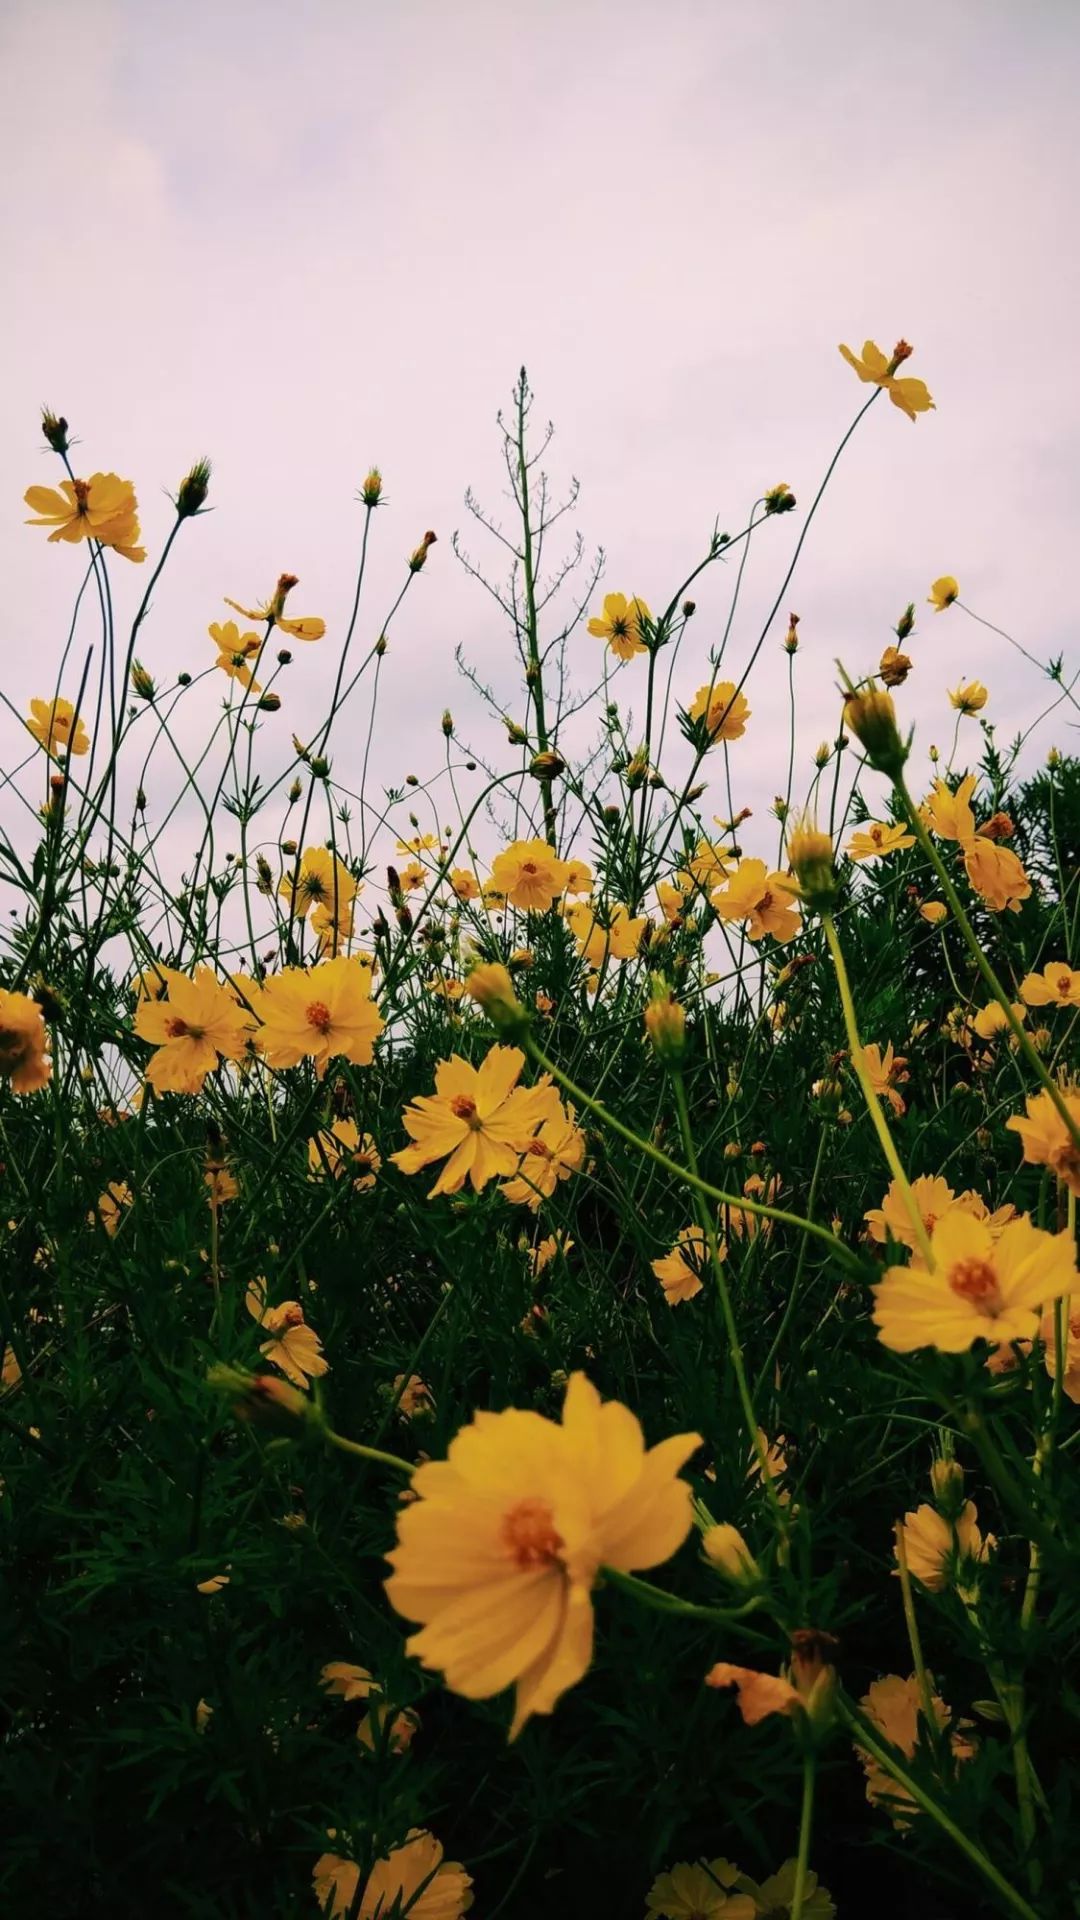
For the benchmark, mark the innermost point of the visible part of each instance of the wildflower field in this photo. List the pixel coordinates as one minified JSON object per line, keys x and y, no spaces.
{"x":539,"y":1309}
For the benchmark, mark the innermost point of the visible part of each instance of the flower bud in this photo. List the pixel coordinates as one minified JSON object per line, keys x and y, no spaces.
{"x":288,"y":847}
{"x":183,"y":679}
{"x":906,"y":623}
{"x":264,"y":1399}
{"x":727,"y":1551}
{"x":516,"y":736}
{"x":447,"y":722}
{"x":294,"y":792}
{"x":141,"y":681}
{"x":547,"y":765}
{"x":371,"y":491}
{"x":779,"y":499}
{"x":491,"y":986}
{"x":264,"y":878}
{"x":192,"y":491}
{"x":284,"y":657}
{"x":689,"y":608}
{"x":269,"y":702}
{"x":381,"y":645}
{"x":791,"y":638}
{"x":416,"y":559}
{"x":320,"y":767}
{"x":665,"y":1023}
{"x":871,"y":715}
{"x":947,"y":1480}
{"x":55,"y":429}
{"x":810,"y":854}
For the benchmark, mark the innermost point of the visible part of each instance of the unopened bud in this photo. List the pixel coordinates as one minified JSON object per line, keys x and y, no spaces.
{"x":447,"y":722}
{"x":491,"y":986}
{"x":269,"y":702}
{"x":727,"y":1551}
{"x":371,"y":491}
{"x":689,"y":608}
{"x":141,"y":681}
{"x":416,"y":559}
{"x":947,"y":1480}
{"x":192,"y":491}
{"x":665,"y":1023}
{"x":294,"y":792}
{"x":791,"y":638}
{"x":55,"y":429}
{"x":547,"y":765}
{"x":871,"y":715}
{"x":514,"y":733}
{"x":284,"y":657}
{"x":906,"y":623}
{"x":810,"y":855}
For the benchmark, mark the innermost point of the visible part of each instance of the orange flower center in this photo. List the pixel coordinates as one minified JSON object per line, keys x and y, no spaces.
{"x":529,"y":1534}
{"x":82,"y":488}
{"x":318,"y":1016}
{"x":1064,"y":983}
{"x":528,"y":866}
{"x":877,"y":835}
{"x":464,"y":1106}
{"x":765,"y":902}
{"x":177,"y":1029}
{"x":976,"y":1281}
{"x":293,"y":1316}
{"x":1065,"y":1161}
{"x":541,"y":1151}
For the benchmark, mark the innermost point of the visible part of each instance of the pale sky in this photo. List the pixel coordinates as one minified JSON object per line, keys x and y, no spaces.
{"x":302,"y":238}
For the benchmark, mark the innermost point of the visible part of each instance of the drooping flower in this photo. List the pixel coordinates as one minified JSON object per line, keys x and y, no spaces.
{"x":980,"y":1287}
{"x":620,"y":625}
{"x":941,"y":1553}
{"x":24,"y":1043}
{"x":544,"y":1252}
{"x":949,"y":814}
{"x":413,"y":1396}
{"x":579,"y":877}
{"x":293,"y":1345}
{"x":909,"y":395}
{"x":412,"y":1879}
{"x":530,"y":874}
{"x":273,"y":611}
{"x":323,"y":881}
{"x":319,"y":1014}
{"x":109,"y":1209}
{"x":878,"y":837}
{"x":340,"y":1149}
{"x":609,"y":933}
{"x":698,"y":1890}
{"x":478,"y":1119}
{"x":553,"y":1153}
{"x":763,"y":899}
{"x":708,"y":865}
{"x":895,"y":1707}
{"x":680,"y":1271}
{"x":886,"y":1072}
{"x":346,"y":1681}
{"x":1046,"y":1139}
{"x":722,"y":711}
{"x":943,"y":592}
{"x":58,"y":727}
{"x":774,"y":1898}
{"x":996,"y":874}
{"x":235,"y":650}
{"x":1056,"y":986}
{"x":196,"y":1023}
{"x":102,"y":508}
{"x":498,"y":1554}
{"x":970,"y":698}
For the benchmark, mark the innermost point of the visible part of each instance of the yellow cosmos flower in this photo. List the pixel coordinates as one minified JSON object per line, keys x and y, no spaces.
{"x":774,"y":1898}
{"x":273,"y":611}
{"x":342,"y":1149}
{"x":709,"y":864}
{"x":620,"y":625}
{"x":102,"y":508}
{"x":886,"y":1073}
{"x":680,"y":1271}
{"x":544,"y":1252}
{"x":1070,"y":1378}
{"x":110,"y":1206}
{"x":979,"y":1288}
{"x":911,"y":396}
{"x":198,"y":1022}
{"x":969,"y":699}
{"x":1056,"y":986}
{"x":235,"y":649}
{"x":698,"y":1890}
{"x":991,"y":1020}
{"x":478,"y":1119}
{"x":670,"y":900}
{"x":293,"y":1346}
{"x":529,"y":874}
{"x":762,"y":899}
{"x":996,"y":874}
{"x":878,"y":837}
{"x":58,"y":727}
{"x":342,"y":1679}
{"x":949,"y":814}
{"x":420,"y":843}
{"x":609,"y":933}
{"x":941,"y":1552}
{"x":943,"y":593}
{"x":1046,"y":1139}
{"x":24,"y":1043}
{"x":323,"y":881}
{"x":723,"y":712}
{"x":412,"y":876}
{"x":335,"y":932}
{"x":579,"y":877}
{"x":394,"y":1883}
{"x":895,"y":1706}
{"x":555,"y":1152}
{"x":934,"y":912}
{"x":321,"y":1014}
{"x":934,"y":1198}
{"x":498,"y":1554}
{"x":465,"y":884}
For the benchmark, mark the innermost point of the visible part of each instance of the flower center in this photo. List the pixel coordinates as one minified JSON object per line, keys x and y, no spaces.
{"x":313,"y":886}
{"x":1064,"y":983}
{"x":765,"y":902}
{"x":177,"y":1029}
{"x":82,"y":488}
{"x":1065,"y":1161}
{"x":528,"y":866}
{"x":541,"y":1151}
{"x":529,"y":1534}
{"x":877,"y":835}
{"x":976,"y":1281}
{"x":620,"y":628}
{"x":318,"y":1016}
{"x":464,"y":1106}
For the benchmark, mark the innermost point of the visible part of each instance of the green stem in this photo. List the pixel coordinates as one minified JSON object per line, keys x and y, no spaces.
{"x":926,"y":1691}
{"x":367,"y":1453}
{"x":806,"y":1821}
{"x":660,"y":1602}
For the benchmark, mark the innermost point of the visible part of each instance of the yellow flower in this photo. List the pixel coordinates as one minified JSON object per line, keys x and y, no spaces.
{"x":1070,"y":1379}
{"x":346,"y":1681}
{"x":934,"y":1198}
{"x":670,"y":900}
{"x":336,"y":931}
{"x":530,"y":874}
{"x":110,"y":1206}
{"x":996,"y":874}
{"x":294,"y":1346}
{"x":603,"y":934}
{"x":413,"y":1396}
{"x":1056,"y":986}
{"x":909,"y":395}
{"x":885,"y":1073}
{"x":273,"y":611}
{"x":579,"y":877}
{"x":943,"y":593}
{"x":544,"y":1251}
{"x":991,"y":1020}
{"x":774,"y":1898}
{"x":980,"y":1287}
{"x":24,"y":1043}
{"x":493,"y":898}
{"x":412,"y":876}
{"x":214,"y":1585}
{"x":949,"y":814}
{"x":498,"y":1554}
{"x":878,"y":837}
{"x":555,"y":1152}
{"x":58,"y":727}
{"x":936,"y":1549}
{"x":698,"y":1890}
{"x":420,"y":843}
{"x":709,"y":864}
{"x":340,"y":1149}
{"x":220,"y":1183}
{"x":197,"y":1022}
{"x":762,"y":899}
{"x":679,"y":1272}
{"x":394,"y":1883}
{"x":1046,"y":1139}
{"x":620,"y":625}
{"x":235,"y":649}
{"x":723,"y":711}
{"x":319,"y":1015}
{"x":759,"y":1695}
{"x":894,"y":1707}
{"x":102,"y":508}
{"x":971,"y":698}
{"x":323,"y":881}
{"x":934,"y":912}
{"x":465,"y":884}
{"x":478,"y":1119}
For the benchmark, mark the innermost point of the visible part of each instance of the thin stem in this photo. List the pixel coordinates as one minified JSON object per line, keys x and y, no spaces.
{"x":806,"y":1821}
{"x":367,"y":1453}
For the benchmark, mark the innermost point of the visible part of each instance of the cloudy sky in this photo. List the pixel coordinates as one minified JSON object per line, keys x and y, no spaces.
{"x":305,"y":238}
